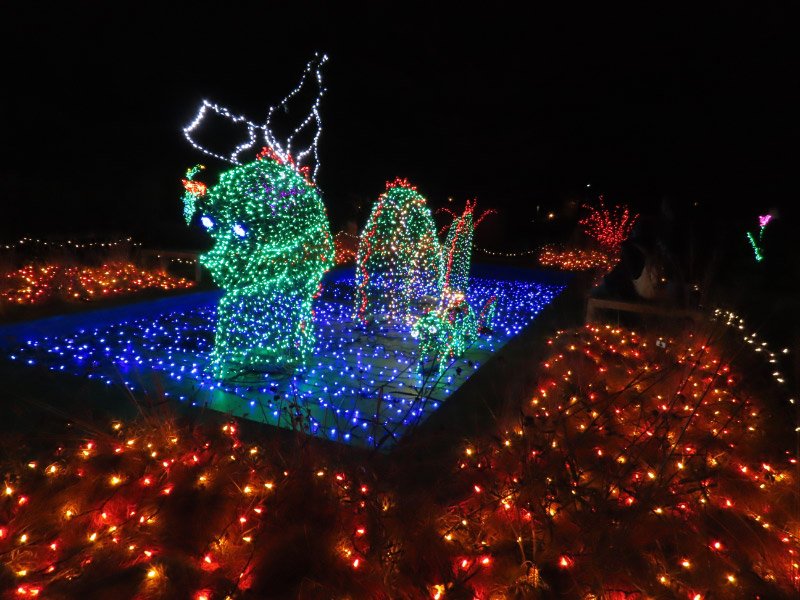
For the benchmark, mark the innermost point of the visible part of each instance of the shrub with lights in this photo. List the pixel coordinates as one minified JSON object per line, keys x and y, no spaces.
{"x":574,"y":259}
{"x":639,"y":467}
{"x":39,"y":283}
{"x":399,"y":257}
{"x":272,"y":246}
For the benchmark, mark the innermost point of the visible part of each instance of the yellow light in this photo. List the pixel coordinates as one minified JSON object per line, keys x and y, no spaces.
{"x":731,"y":578}
{"x":93,"y":537}
{"x":151,"y":574}
{"x":247,"y":489}
{"x":23,"y":538}
{"x":115,"y":480}
{"x":269,"y":485}
{"x":685,"y":563}
{"x":9,"y":490}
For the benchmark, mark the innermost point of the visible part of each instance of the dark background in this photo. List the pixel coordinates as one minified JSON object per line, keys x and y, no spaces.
{"x":518,"y":109}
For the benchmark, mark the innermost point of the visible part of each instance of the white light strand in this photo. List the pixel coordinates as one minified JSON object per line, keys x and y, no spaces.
{"x":506,"y":254}
{"x":731,"y":319}
{"x":27,"y":242}
{"x":283,"y":150}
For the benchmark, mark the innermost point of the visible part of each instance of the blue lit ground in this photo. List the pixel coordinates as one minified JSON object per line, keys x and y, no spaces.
{"x":362,"y":388}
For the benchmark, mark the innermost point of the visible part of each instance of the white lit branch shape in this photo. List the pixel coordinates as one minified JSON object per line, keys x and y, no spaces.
{"x":287,"y":149}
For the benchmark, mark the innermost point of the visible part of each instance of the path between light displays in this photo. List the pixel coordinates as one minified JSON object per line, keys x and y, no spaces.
{"x":360,"y":387}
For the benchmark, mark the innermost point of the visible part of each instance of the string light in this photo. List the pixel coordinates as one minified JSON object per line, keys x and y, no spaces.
{"x":755,"y":241}
{"x":529,"y":507}
{"x":399,"y":257}
{"x":457,"y":249}
{"x":447,"y":330}
{"x":282,"y":149}
{"x":574,"y":259}
{"x":608,"y":227}
{"x":272,"y":246}
{"x":35,"y":284}
{"x":30,"y":243}
{"x":505,"y":254}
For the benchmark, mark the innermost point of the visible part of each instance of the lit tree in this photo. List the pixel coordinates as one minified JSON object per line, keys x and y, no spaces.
{"x":610,"y":227}
{"x":457,"y":249}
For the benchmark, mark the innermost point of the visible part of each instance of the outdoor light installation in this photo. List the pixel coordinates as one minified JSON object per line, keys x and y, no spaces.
{"x":272,"y":246}
{"x":399,"y":256}
{"x":360,"y":355}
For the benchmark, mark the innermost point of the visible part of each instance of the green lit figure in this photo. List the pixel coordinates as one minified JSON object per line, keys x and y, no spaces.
{"x":447,"y":330}
{"x":272,"y":244}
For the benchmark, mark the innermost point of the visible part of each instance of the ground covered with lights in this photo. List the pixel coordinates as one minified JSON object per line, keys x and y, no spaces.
{"x":638,"y":466}
{"x":363,"y":386}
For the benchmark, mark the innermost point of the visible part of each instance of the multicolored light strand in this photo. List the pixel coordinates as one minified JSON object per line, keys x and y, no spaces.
{"x":457,"y":249}
{"x":399,"y":257}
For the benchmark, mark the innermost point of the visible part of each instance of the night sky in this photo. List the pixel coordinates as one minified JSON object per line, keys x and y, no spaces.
{"x":515,"y":109}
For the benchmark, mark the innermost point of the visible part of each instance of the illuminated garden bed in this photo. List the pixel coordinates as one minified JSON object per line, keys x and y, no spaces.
{"x":363,"y":385}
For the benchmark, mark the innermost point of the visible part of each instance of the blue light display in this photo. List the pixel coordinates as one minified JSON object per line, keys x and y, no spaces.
{"x":362,"y":387}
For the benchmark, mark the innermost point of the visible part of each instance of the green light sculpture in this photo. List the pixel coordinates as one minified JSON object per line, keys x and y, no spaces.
{"x":272,"y":246}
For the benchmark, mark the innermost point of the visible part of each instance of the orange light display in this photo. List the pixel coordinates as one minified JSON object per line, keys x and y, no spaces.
{"x":35,"y":284}
{"x":574,"y":260}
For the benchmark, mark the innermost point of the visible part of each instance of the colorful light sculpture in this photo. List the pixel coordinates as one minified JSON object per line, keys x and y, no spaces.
{"x":272,"y":240}
{"x":399,"y":257}
{"x":755,"y":241}
{"x":457,"y":249}
{"x":272,"y":246}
